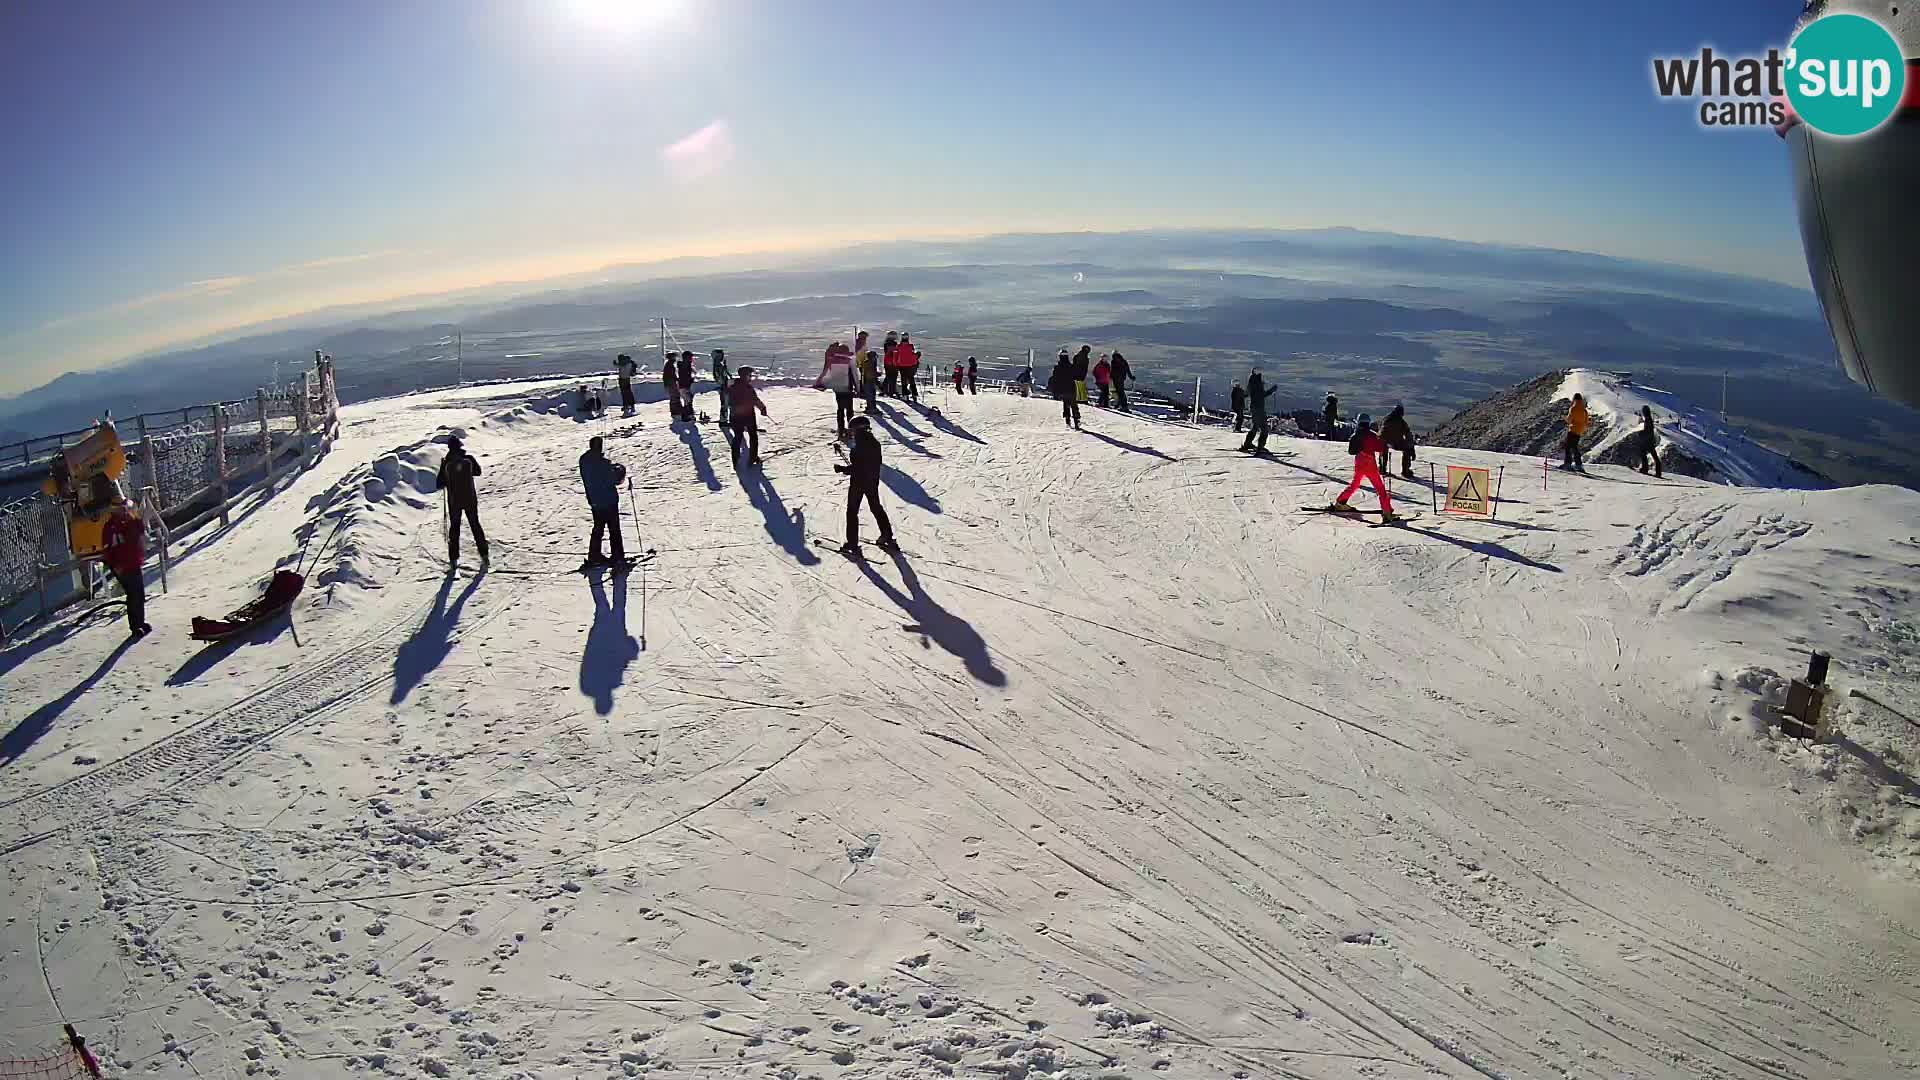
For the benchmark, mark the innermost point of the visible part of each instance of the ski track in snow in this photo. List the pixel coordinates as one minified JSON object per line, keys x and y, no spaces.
{"x":1130,"y":769}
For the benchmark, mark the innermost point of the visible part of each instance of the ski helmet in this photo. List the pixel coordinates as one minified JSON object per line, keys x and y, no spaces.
{"x":1365,"y":421}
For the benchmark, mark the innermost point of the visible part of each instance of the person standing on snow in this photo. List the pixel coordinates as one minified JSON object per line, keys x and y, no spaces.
{"x":1649,"y":442}
{"x":1120,"y":373}
{"x":836,"y":374}
{"x":602,"y":479}
{"x":626,"y":369}
{"x":1239,"y":406}
{"x":125,"y":537}
{"x":457,"y":473}
{"x":670,"y":379}
{"x":1257,"y":394}
{"x":1367,"y":450}
{"x":1577,"y":421}
{"x":1082,"y":366}
{"x":909,"y":358}
{"x":720,"y":380}
{"x":746,"y":428}
{"x":1024,"y":381}
{"x":973,"y":376}
{"x":959,"y":377}
{"x":684,"y":372}
{"x":869,"y":377}
{"x":863,"y":476}
{"x":1102,"y":374}
{"x":1397,"y":435}
{"x":890,"y":355}
{"x":1060,"y":385}
{"x":1332,"y":416}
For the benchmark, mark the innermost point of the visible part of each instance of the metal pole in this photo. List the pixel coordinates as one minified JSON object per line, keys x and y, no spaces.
{"x":1498,"y":483}
{"x":266,"y":436}
{"x":1196,"y":401}
{"x":220,"y":458}
{"x":1433,"y":481}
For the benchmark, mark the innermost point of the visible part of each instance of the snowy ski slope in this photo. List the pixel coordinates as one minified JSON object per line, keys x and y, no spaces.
{"x":1127,"y":769}
{"x":1616,"y":403}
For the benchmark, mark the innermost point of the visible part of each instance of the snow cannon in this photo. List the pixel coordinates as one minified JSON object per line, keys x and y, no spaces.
{"x":1860,"y":221}
{"x":85,"y":480}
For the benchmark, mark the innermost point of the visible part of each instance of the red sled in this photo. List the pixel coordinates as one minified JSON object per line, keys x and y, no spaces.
{"x":281,"y":592}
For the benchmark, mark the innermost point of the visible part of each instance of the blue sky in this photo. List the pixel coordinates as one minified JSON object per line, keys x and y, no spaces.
{"x":180,"y":169}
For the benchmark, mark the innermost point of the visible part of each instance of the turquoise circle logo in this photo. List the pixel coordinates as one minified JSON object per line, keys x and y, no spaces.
{"x":1845,"y":74}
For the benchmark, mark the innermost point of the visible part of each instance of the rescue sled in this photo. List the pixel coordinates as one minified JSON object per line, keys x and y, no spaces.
{"x":281,"y":592}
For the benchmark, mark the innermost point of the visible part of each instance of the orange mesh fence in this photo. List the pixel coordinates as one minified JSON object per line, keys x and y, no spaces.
{"x":71,"y":1062}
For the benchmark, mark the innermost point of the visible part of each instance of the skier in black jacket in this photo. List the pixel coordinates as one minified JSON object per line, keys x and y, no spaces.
{"x":1649,"y":442}
{"x":973,"y":376}
{"x":457,"y":472}
{"x":1333,"y":417}
{"x":1119,"y":372}
{"x":1398,"y":436}
{"x":1257,"y":394}
{"x":863,"y":474}
{"x":1239,"y":406}
{"x":1061,"y":385}
{"x":1082,"y":364}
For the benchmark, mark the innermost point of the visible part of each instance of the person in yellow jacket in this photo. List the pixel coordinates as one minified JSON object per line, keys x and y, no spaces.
{"x":1577,"y":421}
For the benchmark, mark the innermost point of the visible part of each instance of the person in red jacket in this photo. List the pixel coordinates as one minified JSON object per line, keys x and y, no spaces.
{"x":1367,"y":449}
{"x":126,"y":557}
{"x":744,"y":402}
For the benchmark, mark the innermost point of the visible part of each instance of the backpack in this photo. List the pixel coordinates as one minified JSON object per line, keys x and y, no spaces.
{"x":1356,"y":444}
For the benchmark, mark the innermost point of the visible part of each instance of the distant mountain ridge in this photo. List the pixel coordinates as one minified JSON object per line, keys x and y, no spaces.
{"x":1531,"y":419}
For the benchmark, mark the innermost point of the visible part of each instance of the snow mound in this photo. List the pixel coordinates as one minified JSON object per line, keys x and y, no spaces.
{"x":1693,"y":440}
{"x":1530,"y":419}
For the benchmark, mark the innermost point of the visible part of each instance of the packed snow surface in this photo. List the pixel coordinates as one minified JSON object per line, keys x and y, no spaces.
{"x":1127,"y":768}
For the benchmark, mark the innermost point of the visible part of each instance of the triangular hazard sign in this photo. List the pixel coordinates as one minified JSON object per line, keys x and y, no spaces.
{"x":1466,"y":492}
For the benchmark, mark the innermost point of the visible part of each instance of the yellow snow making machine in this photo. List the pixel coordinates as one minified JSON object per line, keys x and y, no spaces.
{"x":85,"y":480}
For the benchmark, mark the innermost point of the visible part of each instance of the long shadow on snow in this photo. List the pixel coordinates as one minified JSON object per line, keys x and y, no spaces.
{"x":28,"y":731}
{"x":940,"y":421}
{"x":890,"y":420}
{"x":937,"y":624}
{"x":702,"y":460}
{"x":908,"y":490}
{"x":430,"y":644}
{"x":201,"y":662}
{"x":1486,"y":547}
{"x":610,"y":648}
{"x":27,"y":648}
{"x":1883,"y":772}
{"x":789,"y":530}
{"x":1129,"y":447}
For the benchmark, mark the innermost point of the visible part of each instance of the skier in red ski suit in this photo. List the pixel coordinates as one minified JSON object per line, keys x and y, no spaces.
{"x":1367,"y":448}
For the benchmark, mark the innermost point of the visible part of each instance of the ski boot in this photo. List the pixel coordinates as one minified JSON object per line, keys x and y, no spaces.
{"x":888,"y":544}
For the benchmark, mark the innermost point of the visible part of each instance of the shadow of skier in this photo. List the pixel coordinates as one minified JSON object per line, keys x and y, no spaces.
{"x":702,"y":460}
{"x":789,"y":530}
{"x":909,"y":491}
{"x":28,"y":731}
{"x":432,"y":641}
{"x":937,"y":624}
{"x":610,"y":648}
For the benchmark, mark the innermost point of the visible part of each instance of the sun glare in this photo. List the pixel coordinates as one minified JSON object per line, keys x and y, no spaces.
{"x":622,"y":16}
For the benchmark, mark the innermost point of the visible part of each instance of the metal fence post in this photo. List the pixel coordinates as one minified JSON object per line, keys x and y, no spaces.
{"x":220,"y":458}
{"x":266,"y":435}
{"x":303,"y":413}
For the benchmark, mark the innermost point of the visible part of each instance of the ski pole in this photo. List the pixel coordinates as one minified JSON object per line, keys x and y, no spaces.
{"x":636,"y":513}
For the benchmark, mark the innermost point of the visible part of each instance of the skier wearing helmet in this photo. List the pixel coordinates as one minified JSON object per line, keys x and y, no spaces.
{"x":863,"y":476}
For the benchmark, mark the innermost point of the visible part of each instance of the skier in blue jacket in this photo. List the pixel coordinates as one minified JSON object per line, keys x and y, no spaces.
{"x":602,"y":479}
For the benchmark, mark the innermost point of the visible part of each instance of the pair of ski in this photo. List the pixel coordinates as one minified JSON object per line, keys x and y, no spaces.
{"x":1358,"y":514}
{"x":619,"y":566}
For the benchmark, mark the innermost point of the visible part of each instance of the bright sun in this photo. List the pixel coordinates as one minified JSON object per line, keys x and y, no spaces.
{"x":622,"y":15}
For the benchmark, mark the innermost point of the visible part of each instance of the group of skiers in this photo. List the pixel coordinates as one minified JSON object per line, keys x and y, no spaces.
{"x":1068,"y":382}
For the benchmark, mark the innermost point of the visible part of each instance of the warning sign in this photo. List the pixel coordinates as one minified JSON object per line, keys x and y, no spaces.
{"x":1468,"y":491}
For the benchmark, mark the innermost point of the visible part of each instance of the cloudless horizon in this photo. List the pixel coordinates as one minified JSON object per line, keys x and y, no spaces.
{"x":184,"y":170}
